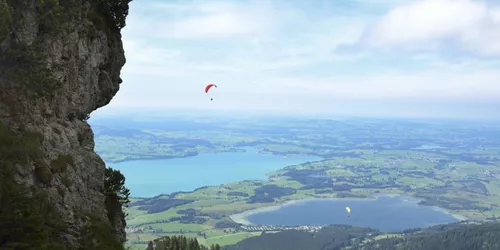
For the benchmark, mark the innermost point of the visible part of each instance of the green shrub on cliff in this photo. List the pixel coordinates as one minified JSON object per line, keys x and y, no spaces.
{"x":5,"y":19}
{"x":50,"y":15}
{"x":60,"y":164}
{"x":99,"y":232}
{"x":26,"y":64}
{"x":27,"y":220}
{"x":23,"y":63}
{"x":115,"y":10}
{"x":117,"y":195}
{"x":114,"y":184}
{"x":99,"y":235}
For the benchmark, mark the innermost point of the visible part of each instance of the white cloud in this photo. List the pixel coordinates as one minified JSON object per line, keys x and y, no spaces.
{"x":287,"y":59}
{"x":273,"y":36}
{"x":221,"y":20}
{"x":433,"y":25}
{"x":423,"y":86}
{"x":216,"y":25}
{"x":199,"y":20}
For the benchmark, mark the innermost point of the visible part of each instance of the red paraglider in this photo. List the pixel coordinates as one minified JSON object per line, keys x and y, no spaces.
{"x":208,"y":87}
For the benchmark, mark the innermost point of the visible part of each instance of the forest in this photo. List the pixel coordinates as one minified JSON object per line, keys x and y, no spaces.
{"x":179,"y":243}
{"x":454,"y":236}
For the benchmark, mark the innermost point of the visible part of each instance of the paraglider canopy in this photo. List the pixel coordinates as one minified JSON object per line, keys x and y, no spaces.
{"x":209,"y":86}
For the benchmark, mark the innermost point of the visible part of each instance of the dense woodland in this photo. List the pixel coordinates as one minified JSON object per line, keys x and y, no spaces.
{"x":268,"y":193}
{"x":334,"y":237}
{"x":452,"y":236}
{"x":179,"y":243}
{"x":485,"y":237}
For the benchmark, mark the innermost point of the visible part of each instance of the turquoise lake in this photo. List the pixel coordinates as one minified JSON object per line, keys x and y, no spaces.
{"x":147,"y":178}
{"x":385,"y":213}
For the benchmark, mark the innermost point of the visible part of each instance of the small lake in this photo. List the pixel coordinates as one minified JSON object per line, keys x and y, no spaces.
{"x":386,"y":213}
{"x":147,"y":178}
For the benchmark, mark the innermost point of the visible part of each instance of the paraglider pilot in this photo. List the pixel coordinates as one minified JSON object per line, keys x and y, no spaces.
{"x":207,"y":88}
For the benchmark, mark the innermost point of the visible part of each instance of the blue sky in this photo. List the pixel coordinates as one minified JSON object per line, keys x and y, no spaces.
{"x":357,"y":57}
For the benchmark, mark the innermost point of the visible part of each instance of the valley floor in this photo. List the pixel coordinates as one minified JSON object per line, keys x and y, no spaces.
{"x":212,"y":213}
{"x":454,"y":166}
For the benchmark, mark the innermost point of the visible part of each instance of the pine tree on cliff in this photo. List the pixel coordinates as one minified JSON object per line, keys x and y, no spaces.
{"x":215,"y":247}
{"x":178,"y":243}
{"x":193,"y":244}
{"x":150,"y":246}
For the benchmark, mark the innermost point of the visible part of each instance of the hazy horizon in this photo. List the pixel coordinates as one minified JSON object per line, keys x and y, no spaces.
{"x":387,"y":58}
{"x":168,"y":113}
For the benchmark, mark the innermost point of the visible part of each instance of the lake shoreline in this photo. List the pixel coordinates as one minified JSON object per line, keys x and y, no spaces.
{"x":242,"y":217}
{"x":109,"y":163}
{"x":168,"y":157}
{"x":208,"y":168}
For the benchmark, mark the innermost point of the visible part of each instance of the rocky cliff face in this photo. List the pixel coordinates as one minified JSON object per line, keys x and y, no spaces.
{"x":59,"y":61}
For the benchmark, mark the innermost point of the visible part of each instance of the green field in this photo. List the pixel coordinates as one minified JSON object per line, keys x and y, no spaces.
{"x":451,"y":165}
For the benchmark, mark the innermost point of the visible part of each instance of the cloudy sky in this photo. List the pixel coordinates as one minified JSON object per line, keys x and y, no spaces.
{"x":359,"y":57}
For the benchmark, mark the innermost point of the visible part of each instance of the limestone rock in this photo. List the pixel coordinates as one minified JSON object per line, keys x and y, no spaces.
{"x":58,"y":63}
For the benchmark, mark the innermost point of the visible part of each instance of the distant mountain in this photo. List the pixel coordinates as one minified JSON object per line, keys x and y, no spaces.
{"x":456,"y":236}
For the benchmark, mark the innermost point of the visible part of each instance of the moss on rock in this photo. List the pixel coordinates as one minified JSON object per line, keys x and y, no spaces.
{"x":115,"y":11}
{"x":19,"y":148}
{"x":62,"y":162}
{"x":99,"y":235}
{"x":5,"y":19}
{"x":43,"y":172}
{"x":57,"y":16}
{"x":66,"y":181}
{"x":27,"y":219}
{"x":26,"y":64}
